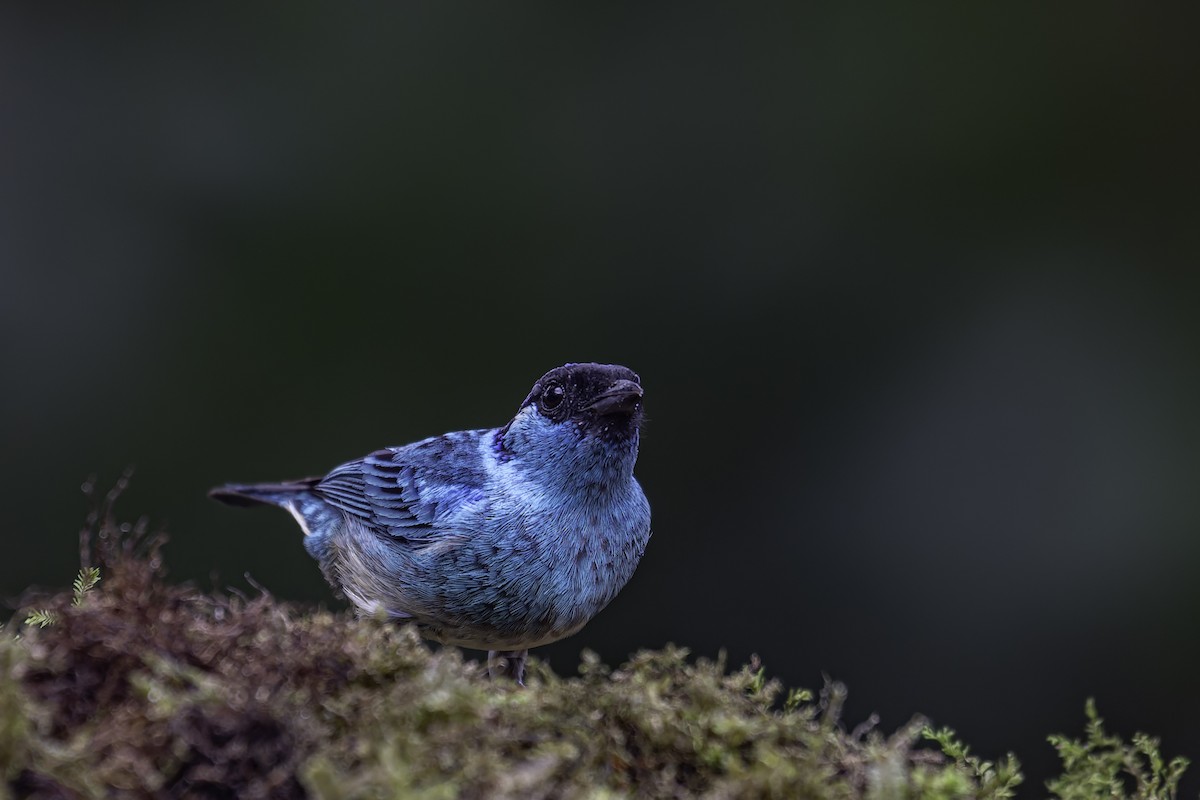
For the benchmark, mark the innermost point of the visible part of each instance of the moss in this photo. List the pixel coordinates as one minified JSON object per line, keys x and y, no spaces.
{"x":1101,"y":765}
{"x":141,"y":688}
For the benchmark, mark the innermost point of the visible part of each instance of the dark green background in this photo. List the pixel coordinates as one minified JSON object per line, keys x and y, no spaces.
{"x":912,"y":292}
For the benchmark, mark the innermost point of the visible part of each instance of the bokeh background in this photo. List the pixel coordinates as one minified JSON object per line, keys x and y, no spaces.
{"x":913,"y":292}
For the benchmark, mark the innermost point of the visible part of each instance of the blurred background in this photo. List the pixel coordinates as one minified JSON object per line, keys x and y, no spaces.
{"x":913,"y":293}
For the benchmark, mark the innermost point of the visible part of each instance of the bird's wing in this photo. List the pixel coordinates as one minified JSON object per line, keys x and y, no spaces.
{"x":405,"y":492}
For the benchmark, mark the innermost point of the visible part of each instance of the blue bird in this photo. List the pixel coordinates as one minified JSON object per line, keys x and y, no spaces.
{"x":498,"y":539}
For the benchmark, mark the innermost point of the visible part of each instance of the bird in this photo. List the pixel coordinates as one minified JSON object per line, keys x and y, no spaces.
{"x":499,"y":539}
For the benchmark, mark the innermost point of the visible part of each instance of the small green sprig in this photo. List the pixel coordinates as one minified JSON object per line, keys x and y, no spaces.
{"x":41,"y":618}
{"x":1102,"y":764}
{"x":85,"y":581}
{"x":996,"y":779}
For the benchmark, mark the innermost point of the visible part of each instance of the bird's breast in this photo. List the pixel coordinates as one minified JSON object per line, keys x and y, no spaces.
{"x":593,"y":550}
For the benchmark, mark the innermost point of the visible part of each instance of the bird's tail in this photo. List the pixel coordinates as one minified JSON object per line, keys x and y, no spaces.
{"x":270,"y":494}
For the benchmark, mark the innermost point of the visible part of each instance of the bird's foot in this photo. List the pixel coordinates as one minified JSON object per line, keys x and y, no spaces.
{"x":507,"y":663}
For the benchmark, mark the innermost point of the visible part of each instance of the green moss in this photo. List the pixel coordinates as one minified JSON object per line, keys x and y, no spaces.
{"x":14,"y":724}
{"x":155,"y":690}
{"x":1101,"y":765}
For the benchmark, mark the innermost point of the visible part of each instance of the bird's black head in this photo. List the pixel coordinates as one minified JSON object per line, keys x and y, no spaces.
{"x":602,"y":399}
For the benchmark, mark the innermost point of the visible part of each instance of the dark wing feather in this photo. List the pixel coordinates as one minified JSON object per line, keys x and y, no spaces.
{"x":396,"y":492}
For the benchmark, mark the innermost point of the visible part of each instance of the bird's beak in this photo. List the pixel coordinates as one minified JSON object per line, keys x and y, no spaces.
{"x":622,"y":397}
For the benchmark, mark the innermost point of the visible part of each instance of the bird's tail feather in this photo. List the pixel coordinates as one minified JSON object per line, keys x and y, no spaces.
{"x":270,"y":494}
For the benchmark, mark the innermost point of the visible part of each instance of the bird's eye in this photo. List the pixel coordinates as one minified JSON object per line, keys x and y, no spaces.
{"x":552,"y":396}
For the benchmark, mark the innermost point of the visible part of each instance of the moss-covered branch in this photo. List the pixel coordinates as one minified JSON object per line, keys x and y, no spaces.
{"x":140,"y":688}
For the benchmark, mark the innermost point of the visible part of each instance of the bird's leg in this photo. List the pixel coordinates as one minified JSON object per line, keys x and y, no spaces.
{"x":510,"y":663}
